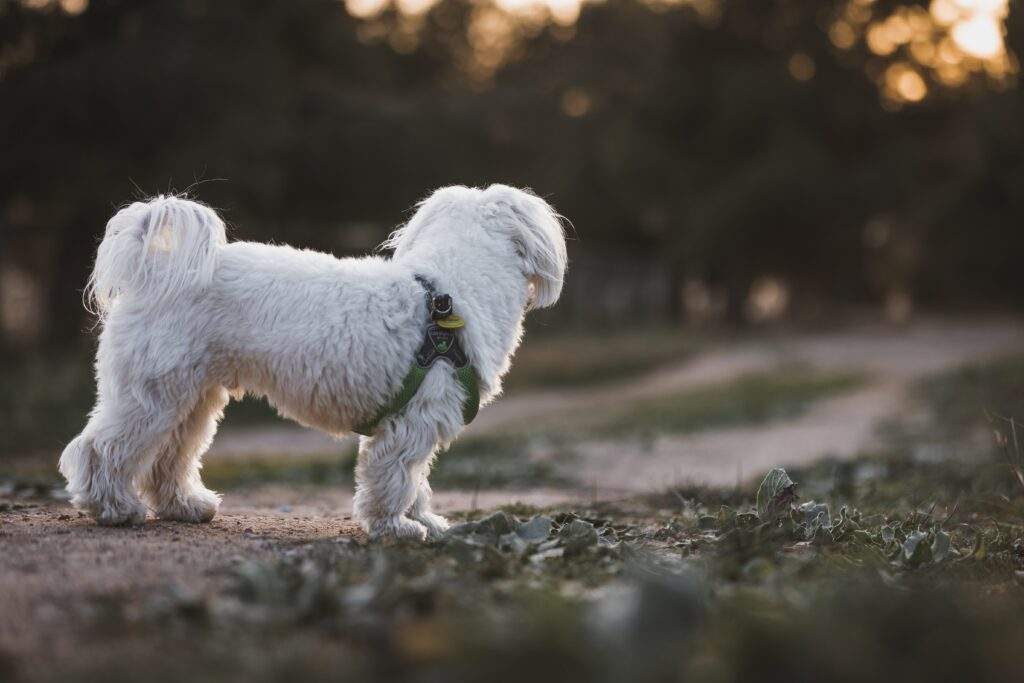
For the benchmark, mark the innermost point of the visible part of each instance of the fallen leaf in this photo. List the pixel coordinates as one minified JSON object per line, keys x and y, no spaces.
{"x":775,"y":494}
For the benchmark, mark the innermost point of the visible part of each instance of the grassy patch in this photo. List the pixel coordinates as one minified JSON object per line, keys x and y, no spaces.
{"x":314,"y":469}
{"x":751,"y":399}
{"x":474,"y":463}
{"x":44,"y":401}
{"x":586,"y":359}
{"x":959,"y":399}
{"x":517,"y":461}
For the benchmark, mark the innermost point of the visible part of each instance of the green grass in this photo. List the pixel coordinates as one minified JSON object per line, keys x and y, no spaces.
{"x":958,"y":400}
{"x":44,"y":401}
{"x":750,"y":399}
{"x":312,"y":470}
{"x":512,"y":461}
{"x":569,"y":360}
{"x":473,"y":463}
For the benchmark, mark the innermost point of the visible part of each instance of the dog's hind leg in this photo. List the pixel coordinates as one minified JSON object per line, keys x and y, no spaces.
{"x":173,"y":485}
{"x":388,"y":475}
{"x":102,"y":465}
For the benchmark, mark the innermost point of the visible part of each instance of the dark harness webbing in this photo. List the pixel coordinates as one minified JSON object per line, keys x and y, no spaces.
{"x":440,"y":341}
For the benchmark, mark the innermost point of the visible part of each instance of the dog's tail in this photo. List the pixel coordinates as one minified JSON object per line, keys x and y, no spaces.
{"x":156,"y":251}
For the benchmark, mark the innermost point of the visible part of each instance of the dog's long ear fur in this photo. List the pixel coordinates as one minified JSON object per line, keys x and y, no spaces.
{"x":539,"y":238}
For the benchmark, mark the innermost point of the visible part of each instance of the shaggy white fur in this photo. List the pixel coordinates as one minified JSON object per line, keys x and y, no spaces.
{"x":190,"y":320}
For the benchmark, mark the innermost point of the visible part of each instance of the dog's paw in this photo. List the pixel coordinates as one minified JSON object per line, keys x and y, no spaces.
{"x":397,"y":527}
{"x":436,"y":524}
{"x":126,"y":515}
{"x":196,"y":508}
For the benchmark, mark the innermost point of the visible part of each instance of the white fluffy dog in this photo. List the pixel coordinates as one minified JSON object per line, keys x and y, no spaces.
{"x":190,"y":320}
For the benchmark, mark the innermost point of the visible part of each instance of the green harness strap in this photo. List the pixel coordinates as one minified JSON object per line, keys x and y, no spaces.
{"x":440,"y":340}
{"x":413,"y":379}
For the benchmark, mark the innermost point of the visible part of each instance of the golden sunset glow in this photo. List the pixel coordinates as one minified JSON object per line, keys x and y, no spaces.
{"x":365,"y":9}
{"x":921,"y":48}
{"x":979,"y":37}
{"x":946,"y":43}
{"x":67,"y":6}
{"x":903,"y":83}
{"x":495,"y":31}
{"x":911,"y":50}
{"x":576,"y":102}
{"x":801,"y":67}
{"x":842,"y":35}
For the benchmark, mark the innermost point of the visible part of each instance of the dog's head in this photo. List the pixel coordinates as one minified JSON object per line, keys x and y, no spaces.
{"x":500,"y":219}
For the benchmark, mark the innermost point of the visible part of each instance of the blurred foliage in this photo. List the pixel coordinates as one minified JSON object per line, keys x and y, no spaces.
{"x":961,"y":400}
{"x":44,"y":401}
{"x":471,"y":463}
{"x":964,"y":414}
{"x":585,"y":359}
{"x":656,"y":130}
{"x":291,"y":470}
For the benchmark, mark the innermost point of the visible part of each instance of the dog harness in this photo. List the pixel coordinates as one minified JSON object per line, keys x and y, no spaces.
{"x":440,"y":341}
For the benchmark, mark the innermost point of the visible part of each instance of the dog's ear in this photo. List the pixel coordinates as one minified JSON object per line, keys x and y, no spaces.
{"x":444,"y":205}
{"x":539,"y":238}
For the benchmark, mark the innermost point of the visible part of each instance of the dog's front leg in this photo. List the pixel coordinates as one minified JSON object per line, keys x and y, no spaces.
{"x":421,"y":512}
{"x":388,"y":474}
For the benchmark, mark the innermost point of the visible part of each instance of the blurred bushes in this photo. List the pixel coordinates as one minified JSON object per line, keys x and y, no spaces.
{"x":44,"y":401}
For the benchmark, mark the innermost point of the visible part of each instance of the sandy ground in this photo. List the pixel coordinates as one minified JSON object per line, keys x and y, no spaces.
{"x":57,"y":568}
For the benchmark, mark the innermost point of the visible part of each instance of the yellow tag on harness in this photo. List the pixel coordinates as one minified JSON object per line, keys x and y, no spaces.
{"x":452,"y":322}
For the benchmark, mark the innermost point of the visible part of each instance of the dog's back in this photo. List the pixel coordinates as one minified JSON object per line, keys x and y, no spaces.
{"x":290,"y":319}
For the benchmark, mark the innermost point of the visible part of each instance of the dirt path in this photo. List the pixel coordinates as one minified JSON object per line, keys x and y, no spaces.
{"x":842,"y":426}
{"x":838,"y":427}
{"x":58,"y":569}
